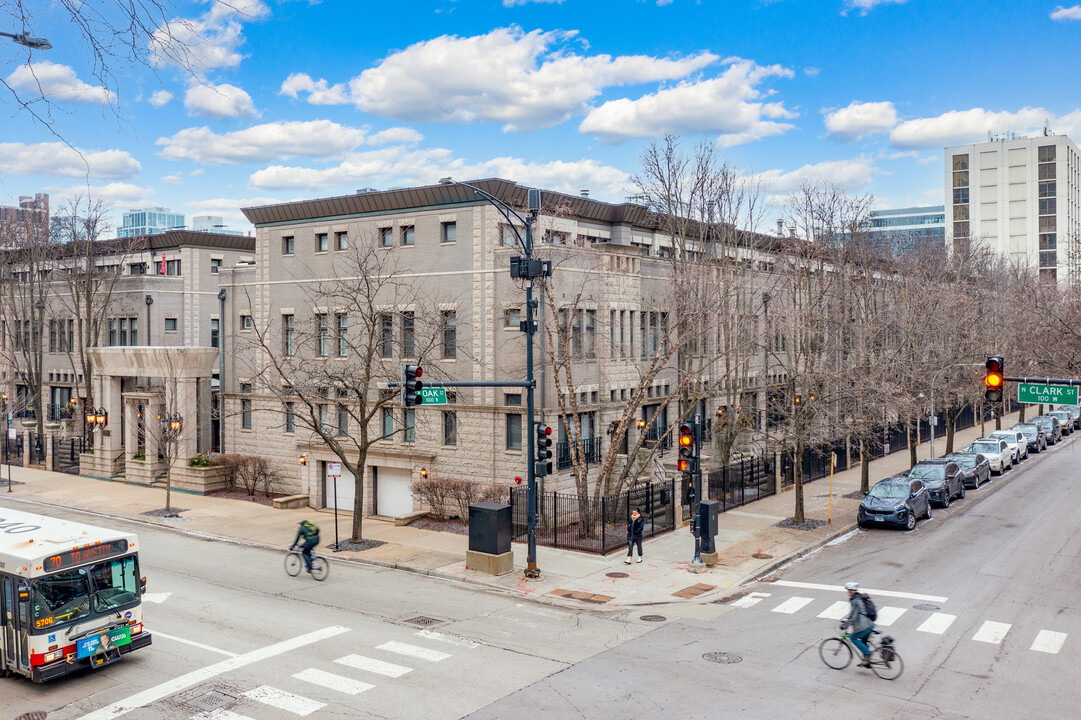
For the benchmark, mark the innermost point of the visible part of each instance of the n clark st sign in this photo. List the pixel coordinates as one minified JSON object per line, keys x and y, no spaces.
{"x":1038,"y":393}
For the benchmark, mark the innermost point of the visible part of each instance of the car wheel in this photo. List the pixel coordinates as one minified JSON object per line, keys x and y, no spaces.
{"x":961,"y":492}
{"x":928,"y":515}
{"x":945,"y":496}
{"x":911,"y":523}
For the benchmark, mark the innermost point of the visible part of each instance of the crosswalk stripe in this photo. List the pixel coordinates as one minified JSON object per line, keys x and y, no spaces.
{"x":992,"y":632}
{"x":749,"y":600}
{"x":331,"y":681}
{"x":888,"y":615}
{"x":937,"y":624}
{"x":219,"y":714}
{"x":836,"y":611}
{"x":284,"y":701}
{"x":441,"y":637}
{"x":793,"y":604}
{"x":1048,"y":641}
{"x":374,"y":666}
{"x":408,"y":650}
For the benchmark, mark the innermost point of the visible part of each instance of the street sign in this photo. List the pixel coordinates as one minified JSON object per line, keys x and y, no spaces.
{"x":13,"y":434}
{"x":434,"y":396}
{"x":334,"y":469}
{"x":1047,"y":394}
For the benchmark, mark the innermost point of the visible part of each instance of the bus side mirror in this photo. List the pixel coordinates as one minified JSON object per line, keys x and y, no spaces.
{"x":142,"y":585}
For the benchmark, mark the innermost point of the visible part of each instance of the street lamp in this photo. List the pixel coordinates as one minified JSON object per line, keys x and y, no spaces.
{"x":34,"y":43}
{"x":7,"y":432}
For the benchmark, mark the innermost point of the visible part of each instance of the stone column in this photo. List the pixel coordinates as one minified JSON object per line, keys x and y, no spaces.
{"x":50,"y":448}
{"x":112,"y":401}
{"x":153,"y":429}
{"x":131,"y":427}
{"x":188,"y":407}
{"x":26,"y":448}
{"x":204,"y":441}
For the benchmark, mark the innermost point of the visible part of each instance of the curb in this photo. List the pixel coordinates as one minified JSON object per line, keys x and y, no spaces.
{"x":793,"y":556}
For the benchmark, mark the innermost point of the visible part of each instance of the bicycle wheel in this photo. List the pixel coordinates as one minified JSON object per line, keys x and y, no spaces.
{"x":887,"y":663}
{"x":293,"y":563}
{"x":835,"y":652}
{"x":320,"y":568}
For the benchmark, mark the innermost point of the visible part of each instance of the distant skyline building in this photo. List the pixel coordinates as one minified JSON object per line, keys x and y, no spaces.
{"x":1020,"y":197}
{"x":907,"y":229}
{"x":149,"y":221}
{"x":211,"y":223}
{"x":14,"y":220}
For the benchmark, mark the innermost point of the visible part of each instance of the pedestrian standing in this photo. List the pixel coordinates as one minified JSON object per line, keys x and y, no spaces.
{"x":634,"y":535}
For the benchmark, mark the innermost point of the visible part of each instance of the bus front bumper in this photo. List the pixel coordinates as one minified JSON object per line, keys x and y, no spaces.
{"x":59,"y":668}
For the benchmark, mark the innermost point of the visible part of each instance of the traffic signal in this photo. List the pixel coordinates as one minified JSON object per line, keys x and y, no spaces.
{"x":544,"y":451}
{"x":412,"y":385}
{"x":685,"y":462}
{"x":994,"y":378}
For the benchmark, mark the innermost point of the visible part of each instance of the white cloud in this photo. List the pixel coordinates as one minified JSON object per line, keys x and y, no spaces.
{"x":525,"y":80}
{"x":1067,"y":13}
{"x":959,"y":127}
{"x":209,"y":42}
{"x":116,"y":194}
{"x":59,"y":160}
{"x":512,"y":3}
{"x":860,"y":119}
{"x":197,"y":172}
{"x":262,"y":143}
{"x":218,"y":101}
{"x":811,"y":71}
{"x":864,"y":5}
{"x":729,"y":104}
{"x":174,"y":179}
{"x":393,"y":135}
{"x":56,"y":82}
{"x":160,"y":98}
{"x":318,"y":92}
{"x":852,"y":173}
{"x":228,"y":209}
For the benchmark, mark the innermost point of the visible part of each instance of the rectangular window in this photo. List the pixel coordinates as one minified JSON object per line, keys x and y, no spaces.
{"x":343,"y":421}
{"x":1047,"y":206}
{"x":137,"y":269}
{"x":960,"y":212}
{"x":622,"y":345}
{"x":409,"y":235}
{"x":324,"y":334}
{"x":450,"y":427}
{"x":512,"y":318}
{"x":1047,"y":189}
{"x":386,"y":237}
{"x":52,"y":336}
{"x":133,"y":326}
{"x":69,"y":344}
{"x":409,"y":340}
{"x":960,"y":179}
{"x":960,"y":229}
{"x":322,"y":243}
{"x":1047,"y":224}
{"x":290,"y":417}
{"x":245,"y":414}
{"x":172,"y":267}
{"x":288,"y":246}
{"x":514,"y":432}
{"x":448,"y":232}
{"x":450,"y":335}
{"x":507,"y":236}
{"x":215,"y":265}
{"x":324,"y":418}
{"x":576,"y":334}
{"x":170,"y":325}
{"x":245,"y":322}
{"x":960,"y":162}
{"x":591,"y":334}
{"x":1046,"y":172}
{"x":1046,"y":153}
{"x":123,"y":323}
{"x":410,"y":425}
{"x":386,"y":340}
{"x":289,"y":335}
{"x":1048,"y":259}
{"x":341,"y":240}
{"x":215,"y":326}
{"x":1048,"y":241}
{"x":612,"y":333}
{"x":388,"y":423}
{"x":1048,"y":275}
{"x":512,"y":399}
{"x":960,"y":196}
{"x":343,"y":334}
{"x":112,"y":332}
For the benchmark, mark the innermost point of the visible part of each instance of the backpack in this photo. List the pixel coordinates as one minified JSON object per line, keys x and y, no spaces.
{"x":310,"y":529}
{"x":869,"y":607}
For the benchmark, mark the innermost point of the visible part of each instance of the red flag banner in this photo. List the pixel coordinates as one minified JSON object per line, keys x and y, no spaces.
{"x":162,"y":270}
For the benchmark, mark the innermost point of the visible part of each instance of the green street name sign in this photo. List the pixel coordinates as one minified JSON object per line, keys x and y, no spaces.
{"x":1047,"y":394}
{"x":438,"y":396}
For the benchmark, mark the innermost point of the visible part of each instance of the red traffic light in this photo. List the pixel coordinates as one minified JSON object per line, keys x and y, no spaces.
{"x":418,"y":372}
{"x":546,"y":429}
{"x":681,"y":465}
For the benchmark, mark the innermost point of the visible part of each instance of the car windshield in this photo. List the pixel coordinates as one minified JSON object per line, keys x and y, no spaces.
{"x":928,"y":472}
{"x":964,"y":460}
{"x":1042,"y":422}
{"x":1028,"y":431}
{"x":80,"y":592}
{"x":889,"y":491}
{"x":1008,"y":437}
{"x":984,"y":447}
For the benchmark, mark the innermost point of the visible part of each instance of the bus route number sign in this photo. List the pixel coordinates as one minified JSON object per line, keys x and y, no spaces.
{"x":79,"y":556}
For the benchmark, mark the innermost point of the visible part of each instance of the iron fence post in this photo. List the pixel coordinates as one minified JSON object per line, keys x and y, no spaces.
{"x":604,"y":525}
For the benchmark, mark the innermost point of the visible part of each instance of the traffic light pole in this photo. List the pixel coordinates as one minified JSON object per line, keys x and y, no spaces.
{"x":697,"y":563}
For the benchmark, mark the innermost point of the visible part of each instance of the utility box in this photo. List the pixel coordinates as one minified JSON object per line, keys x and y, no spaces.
{"x":709,"y":513}
{"x":489,"y":539}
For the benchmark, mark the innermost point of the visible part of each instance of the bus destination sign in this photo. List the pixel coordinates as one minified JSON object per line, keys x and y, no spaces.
{"x":80,"y":556}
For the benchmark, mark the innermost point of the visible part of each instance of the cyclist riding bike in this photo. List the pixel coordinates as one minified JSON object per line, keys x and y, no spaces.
{"x":308,"y":532}
{"x":860,"y":623}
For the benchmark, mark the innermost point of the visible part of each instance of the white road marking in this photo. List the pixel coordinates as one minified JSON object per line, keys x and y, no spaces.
{"x":883,"y":593}
{"x":793,"y":604}
{"x":219,"y":714}
{"x":750,"y":600}
{"x":401,"y":648}
{"x":1048,"y":641}
{"x":160,"y":634}
{"x":937,"y":623}
{"x":156,"y":597}
{"x":284,"y":701}
{"x":374,"y":666}
{"x":165,"y":689}
{"x":888,"y":615}
{"x":992,"y":632}
{"x":331,"y":681}
{"x":460,"y":642}
{"x":837,"y":610}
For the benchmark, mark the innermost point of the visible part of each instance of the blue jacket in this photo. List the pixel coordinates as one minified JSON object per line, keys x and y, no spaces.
{"x":857,"y":619}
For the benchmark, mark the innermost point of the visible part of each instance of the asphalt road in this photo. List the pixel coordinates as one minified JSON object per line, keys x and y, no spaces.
{"x":984,"y":601}
{"x":236,"y":638}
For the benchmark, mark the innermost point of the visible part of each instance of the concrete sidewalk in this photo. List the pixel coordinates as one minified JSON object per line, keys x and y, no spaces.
{"x":748,"y":545}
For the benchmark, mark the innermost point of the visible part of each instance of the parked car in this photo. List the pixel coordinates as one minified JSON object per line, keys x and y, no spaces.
{"x":1051,"y":427}
{"x":895,"y":501}
{"x":996,"y":450}
{"x":1064,"y":419}
{"x":942,"y":478}
{"x":1075,"y":412}
{"x":974,"y":467}
{"x":1034,"y":434}
{"x":1016,"y":441}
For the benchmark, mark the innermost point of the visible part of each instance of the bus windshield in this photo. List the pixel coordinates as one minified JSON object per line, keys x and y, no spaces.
{"x":80,"y":592}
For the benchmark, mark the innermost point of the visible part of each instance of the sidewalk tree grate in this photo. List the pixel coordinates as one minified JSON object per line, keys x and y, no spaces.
{"x":211,"y":701}
{"x":36,"y":715}
{"x":617,"y":575}
{"x":762,"y":556}
{"x":926,"y":606}
{"x":423,"y":621}
{"x":723,"y":658}
{"x":653,"y":618}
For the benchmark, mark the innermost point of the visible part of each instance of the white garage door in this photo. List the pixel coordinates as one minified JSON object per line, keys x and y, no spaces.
{"x":393,"y":495}
{"x":347,"y":491}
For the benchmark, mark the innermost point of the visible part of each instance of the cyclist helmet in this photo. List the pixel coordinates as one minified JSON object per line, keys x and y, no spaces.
{"x":852,"y":587}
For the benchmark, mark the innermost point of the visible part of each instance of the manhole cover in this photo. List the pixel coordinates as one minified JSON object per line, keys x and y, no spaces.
{"x":723,"y":658}
{"x":762,"y":556}
{"x":617,"y":575}
{"x":654,"y":618}
{"x":36,"y":715}
{"x":423,"y":621}
{"x":210,"y":701}
{"x":926,"y":606}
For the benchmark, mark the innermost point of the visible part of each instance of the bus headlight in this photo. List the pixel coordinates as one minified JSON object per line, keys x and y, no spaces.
{"x":53,"y":656}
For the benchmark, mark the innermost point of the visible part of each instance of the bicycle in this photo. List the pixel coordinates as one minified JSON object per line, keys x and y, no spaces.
{"x":294,"y":562}
{"x":837,"y":653}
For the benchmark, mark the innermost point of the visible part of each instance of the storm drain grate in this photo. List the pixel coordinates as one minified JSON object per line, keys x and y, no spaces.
{"x":36,"y":715}
{"x":617,"y":575}
{"x":926,"y":606}
{"x":211,"y":700}
{"x":423,"y":621}
{"x":762,"y":556}
{"x":723,"y":658}
{"x":654,"y":618}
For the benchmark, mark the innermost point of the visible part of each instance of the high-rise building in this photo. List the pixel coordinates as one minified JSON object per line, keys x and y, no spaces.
{"x":1018,"y":196}
{"x":211,"y":223}
{"x":149,"y":221}
{"x":906,"y":229}
{"x":15,"y":222}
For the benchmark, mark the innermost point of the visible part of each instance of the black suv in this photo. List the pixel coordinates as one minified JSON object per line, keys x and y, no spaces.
{"x":895,"y":501}
{"x":975,"y":470}
{"x":943,"y":478}
{"x":1034,"y":434}
{"x":1051,"y":427}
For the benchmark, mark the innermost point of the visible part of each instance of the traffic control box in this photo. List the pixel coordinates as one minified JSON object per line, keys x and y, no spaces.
{"x":489,"y":539}
{"x":709,"y":513}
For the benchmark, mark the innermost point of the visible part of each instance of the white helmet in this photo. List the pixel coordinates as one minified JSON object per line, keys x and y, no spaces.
{"x":852,"y":587}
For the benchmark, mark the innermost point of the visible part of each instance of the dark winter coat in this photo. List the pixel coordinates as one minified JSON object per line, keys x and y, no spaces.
{"x":634,"y":528}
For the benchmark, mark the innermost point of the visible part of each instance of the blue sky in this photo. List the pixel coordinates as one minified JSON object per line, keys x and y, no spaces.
{"x":293,"y":99}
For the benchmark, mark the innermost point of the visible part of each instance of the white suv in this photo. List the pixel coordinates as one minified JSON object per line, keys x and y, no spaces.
{"x":1016,"y":441}
{"x":996,"y":451}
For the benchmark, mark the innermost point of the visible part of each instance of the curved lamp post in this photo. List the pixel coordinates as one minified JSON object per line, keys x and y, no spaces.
{"x":34,"y":43}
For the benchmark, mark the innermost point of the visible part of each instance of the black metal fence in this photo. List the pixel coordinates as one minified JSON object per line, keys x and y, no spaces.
{"x":591,"y":449}
{"x":66,"y":454}
{"x":740,"y":483}
{"x":596,"y":525}
{"x":13,"y":451}
{"x":37,"y":448}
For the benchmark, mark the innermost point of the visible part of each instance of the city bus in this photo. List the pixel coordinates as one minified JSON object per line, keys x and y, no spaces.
{"x":70,"y":596}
